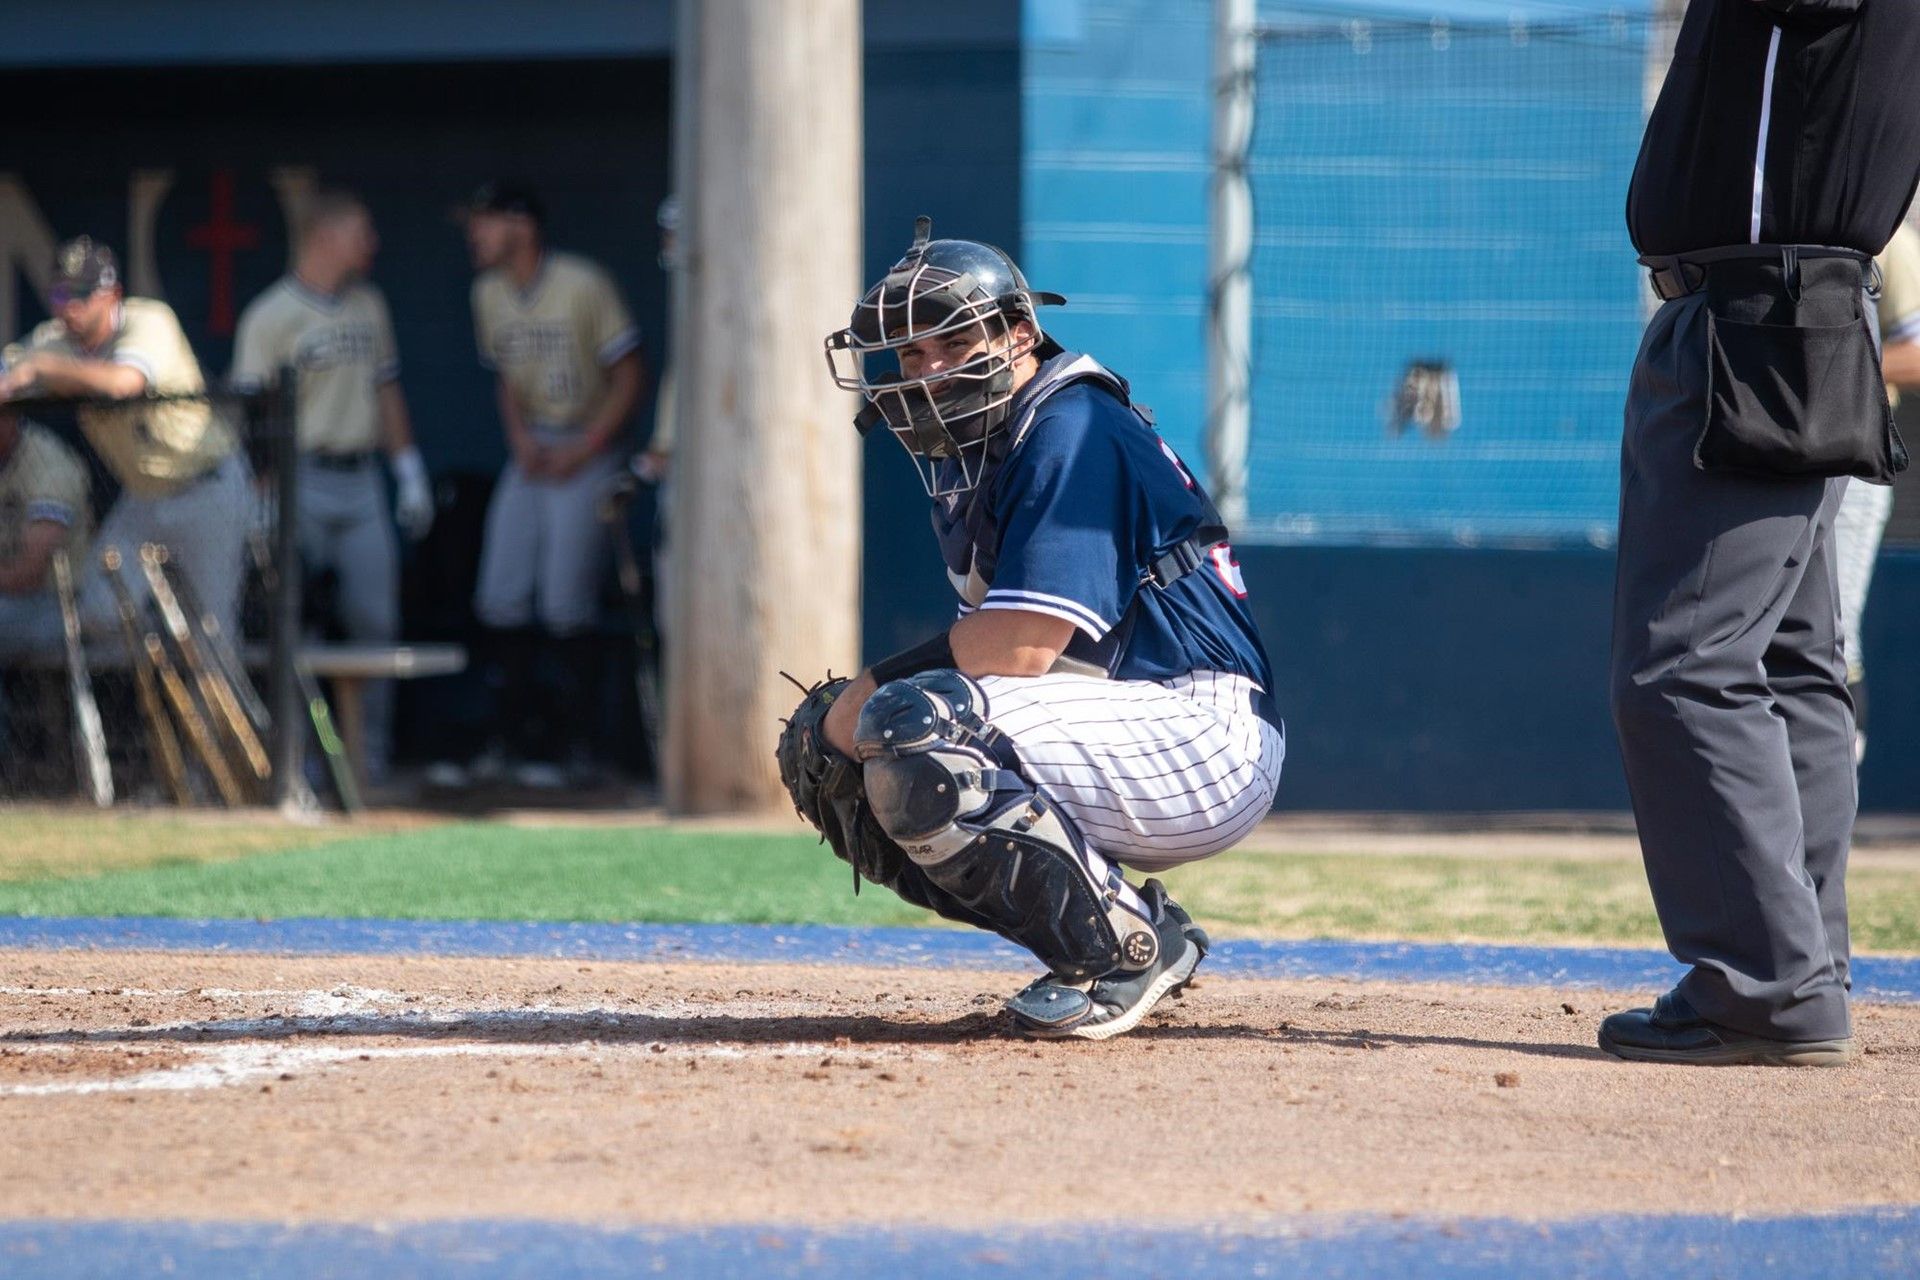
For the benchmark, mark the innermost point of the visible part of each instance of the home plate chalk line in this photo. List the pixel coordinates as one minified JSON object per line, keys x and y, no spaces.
{"x":229,"y":1055}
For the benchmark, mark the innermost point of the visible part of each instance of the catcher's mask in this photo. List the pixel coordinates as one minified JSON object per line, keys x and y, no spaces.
{"x":941,"y":289}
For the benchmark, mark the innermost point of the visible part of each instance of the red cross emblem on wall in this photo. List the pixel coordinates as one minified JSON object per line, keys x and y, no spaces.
{"x":221,"y":237}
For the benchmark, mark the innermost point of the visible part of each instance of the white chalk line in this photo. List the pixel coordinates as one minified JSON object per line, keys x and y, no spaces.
{"x":227,"y":1065}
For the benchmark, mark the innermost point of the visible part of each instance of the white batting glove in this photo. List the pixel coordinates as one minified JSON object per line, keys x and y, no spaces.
{"x":413,"y":497}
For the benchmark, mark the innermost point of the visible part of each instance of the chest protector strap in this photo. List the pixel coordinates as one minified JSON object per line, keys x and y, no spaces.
{"x":1177,"y":561}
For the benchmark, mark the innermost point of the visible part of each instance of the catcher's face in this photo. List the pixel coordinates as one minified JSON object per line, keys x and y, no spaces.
{"x":931,"y":356}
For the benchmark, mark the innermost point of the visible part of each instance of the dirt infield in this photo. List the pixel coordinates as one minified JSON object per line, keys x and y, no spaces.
{"x":141,"y":1085}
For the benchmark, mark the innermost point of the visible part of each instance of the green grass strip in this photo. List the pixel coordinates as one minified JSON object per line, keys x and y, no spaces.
{"x":498,"y":872}
{"x":494,"y":872}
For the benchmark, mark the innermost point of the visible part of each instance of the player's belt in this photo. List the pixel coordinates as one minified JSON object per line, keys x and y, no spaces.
{"x":1675,"y":275}
{"x":198,"y":478}
{"x":339,"y":461}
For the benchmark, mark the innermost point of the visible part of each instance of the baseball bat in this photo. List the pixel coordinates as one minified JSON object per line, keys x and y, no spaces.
{"x":214,"y":689}
{"x":339,"y":768}
{"x":162,"y":740}
{"x":89,"y":736}
{"x":198,"y":733}
{"x":214,"y":636}
{"x":186,"y":711}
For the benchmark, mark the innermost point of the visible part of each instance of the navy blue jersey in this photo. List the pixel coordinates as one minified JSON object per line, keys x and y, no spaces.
{"x":1082,"y":499}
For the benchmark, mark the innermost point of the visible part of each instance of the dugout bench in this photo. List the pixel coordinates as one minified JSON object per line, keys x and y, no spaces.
{"x":347,"y":669}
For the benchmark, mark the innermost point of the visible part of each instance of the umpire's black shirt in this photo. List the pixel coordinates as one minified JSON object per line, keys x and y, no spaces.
{"x":1825,"y":92}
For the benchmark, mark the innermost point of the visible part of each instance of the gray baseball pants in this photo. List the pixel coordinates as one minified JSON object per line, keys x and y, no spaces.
{"x":545,"y":550}
{"x":345,"y":526}
{"x":1728,"y":687}
{"x":1856,"y":542}
{"x":203,"y":527}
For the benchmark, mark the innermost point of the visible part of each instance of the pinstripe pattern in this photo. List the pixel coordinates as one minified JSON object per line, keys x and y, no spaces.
{"x":1153,"y":774}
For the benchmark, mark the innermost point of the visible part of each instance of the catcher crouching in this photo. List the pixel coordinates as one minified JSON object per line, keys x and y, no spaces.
{"x":1103,"y":700}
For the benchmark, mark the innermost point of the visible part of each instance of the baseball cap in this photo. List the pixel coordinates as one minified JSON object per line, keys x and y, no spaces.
{"x":80,"y":267}
{"x":507,"y":195}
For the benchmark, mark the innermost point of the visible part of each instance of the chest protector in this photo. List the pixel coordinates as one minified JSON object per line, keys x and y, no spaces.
{"x":970,"y":537}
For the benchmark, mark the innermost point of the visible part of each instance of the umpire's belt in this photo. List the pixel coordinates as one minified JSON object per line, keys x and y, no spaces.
{"x":1675,"y":275}
{"x":1787,"y":366}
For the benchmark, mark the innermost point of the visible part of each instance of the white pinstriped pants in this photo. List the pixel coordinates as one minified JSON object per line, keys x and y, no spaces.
{"x":1154,"y":775}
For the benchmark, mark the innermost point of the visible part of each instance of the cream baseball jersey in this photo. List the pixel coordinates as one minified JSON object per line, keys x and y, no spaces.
{"x":152,"y":449}
{"x":553,"y":341}
{"x":342,"y":349}
{"x":1900,"y":291}
{"x":41,"y":479}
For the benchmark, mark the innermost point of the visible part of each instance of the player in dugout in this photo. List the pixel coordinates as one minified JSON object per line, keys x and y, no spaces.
{"x":1863,"y":514}
{"x":182,"y":482}
{"x":330,"y":323}
{"x":43,"y":509}
{"x":565,"y":353}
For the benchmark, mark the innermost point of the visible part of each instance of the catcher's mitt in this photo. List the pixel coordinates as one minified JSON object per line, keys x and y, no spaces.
{"x":814,"y":774}
{"x":827,"y":790}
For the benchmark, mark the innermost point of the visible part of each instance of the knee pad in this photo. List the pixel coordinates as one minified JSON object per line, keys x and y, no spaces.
{"x":948,"y":789}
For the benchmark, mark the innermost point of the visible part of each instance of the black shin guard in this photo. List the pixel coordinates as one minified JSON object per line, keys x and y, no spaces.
{"x":946,"y":788}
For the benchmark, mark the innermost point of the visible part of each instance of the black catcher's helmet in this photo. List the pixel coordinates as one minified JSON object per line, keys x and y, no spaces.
{"x":940,"y":288}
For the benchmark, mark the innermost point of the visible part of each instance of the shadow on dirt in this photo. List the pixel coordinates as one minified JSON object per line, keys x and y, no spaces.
{"x":611,"y":1027}
{"x":521,"y":1026}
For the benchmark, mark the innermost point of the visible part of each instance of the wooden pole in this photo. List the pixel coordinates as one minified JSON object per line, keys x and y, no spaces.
{"x":766,"y":509}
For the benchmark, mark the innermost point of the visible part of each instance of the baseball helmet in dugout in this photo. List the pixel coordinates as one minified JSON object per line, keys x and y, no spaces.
{"x":946,"y":418}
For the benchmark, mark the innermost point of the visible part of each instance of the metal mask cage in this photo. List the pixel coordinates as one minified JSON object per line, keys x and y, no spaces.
{"x":945,"y":420}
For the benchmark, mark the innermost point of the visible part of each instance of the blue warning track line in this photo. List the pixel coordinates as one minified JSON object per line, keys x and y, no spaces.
{"x":1858,"y":1245}
{"x":1881,"y":978}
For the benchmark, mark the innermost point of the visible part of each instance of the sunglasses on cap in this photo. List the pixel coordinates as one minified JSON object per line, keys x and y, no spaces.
{"x":62,"y":294}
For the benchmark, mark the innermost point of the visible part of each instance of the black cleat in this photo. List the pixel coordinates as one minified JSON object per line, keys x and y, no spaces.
{"x":1053,"y":1009}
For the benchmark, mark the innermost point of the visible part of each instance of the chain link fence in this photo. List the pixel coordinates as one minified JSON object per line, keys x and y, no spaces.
{"x":1445,"y":302}
{"x":147,"y":631}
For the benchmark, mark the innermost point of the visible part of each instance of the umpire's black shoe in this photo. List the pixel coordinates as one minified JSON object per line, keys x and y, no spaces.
{"x":1672,"y":1032}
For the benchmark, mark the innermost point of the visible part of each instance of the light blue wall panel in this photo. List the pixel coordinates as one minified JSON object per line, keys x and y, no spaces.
{"x":1114,"y":190}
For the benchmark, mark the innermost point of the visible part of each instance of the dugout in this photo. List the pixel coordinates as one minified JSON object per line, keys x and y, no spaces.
{"x":173,"y":140}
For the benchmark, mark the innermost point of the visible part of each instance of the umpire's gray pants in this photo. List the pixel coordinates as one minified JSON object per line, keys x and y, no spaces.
{"x":1728,"y":692}
{"x":345,"y":526}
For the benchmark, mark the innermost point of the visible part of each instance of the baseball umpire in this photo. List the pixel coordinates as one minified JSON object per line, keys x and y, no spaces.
{"x":1779,"y":158}
{"x":182,"y":483}
{"x":555,"y":330}
{"x":327,"y":321}
{"x":1103,"y":699}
